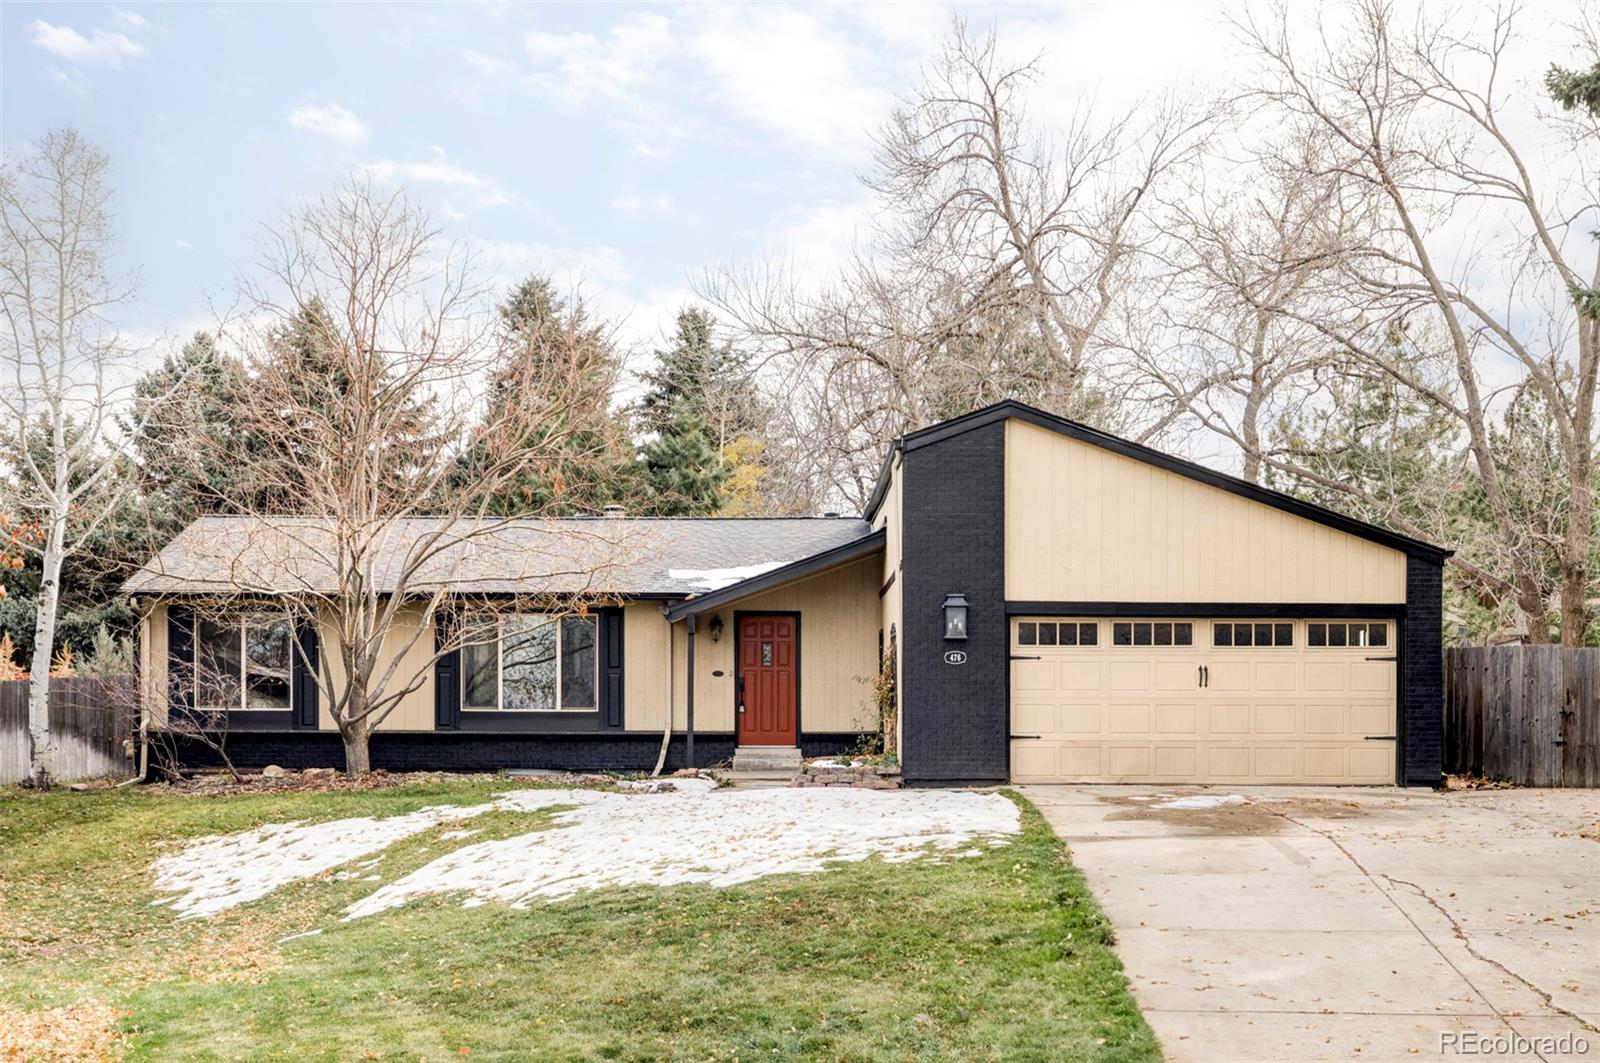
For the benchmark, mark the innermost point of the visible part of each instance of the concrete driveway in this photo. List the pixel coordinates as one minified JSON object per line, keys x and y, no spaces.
{"x":1331,"y":923}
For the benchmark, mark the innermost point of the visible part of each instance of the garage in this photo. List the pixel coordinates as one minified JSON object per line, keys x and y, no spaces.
{"x":1065,"y":605}
{"x":1187,"y":700}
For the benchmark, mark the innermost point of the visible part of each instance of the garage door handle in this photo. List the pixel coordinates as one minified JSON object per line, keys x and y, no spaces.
{"x":1025,"y":657}
{"x":1383,"y":738}
{"x":1382,"y":658}
{"x":1015,"y":738}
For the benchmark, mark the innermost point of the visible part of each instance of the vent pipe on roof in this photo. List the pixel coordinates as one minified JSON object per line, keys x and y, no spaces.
{"x":614,"y":510}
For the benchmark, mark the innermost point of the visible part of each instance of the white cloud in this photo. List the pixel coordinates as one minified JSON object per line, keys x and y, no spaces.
{"x":101,"y":46}
{"x":597,"y":271}
{"x":789,"y":70}
{"x":633,"y":202}
{"x":130,"y":18}
{"x":819,"y":243}
{"x":330,"y":120}
{"x":586,"y":66}
{"x":439,"y":170}
{"x":184,"y":245}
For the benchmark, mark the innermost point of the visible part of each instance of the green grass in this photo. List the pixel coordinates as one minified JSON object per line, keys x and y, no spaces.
{"x":1004,"y":956}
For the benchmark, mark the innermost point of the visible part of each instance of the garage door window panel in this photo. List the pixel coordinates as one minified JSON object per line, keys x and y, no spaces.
{"x":1225,"y":633}
{"x":1065,"y":633}
{"x":1152,"y":633}
{"x":1354,"y":633}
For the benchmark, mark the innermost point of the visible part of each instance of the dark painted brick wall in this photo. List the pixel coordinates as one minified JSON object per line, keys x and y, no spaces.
{"x":955,"y":723}
{"x":1422,"y":662}
{"x":464,"y":751}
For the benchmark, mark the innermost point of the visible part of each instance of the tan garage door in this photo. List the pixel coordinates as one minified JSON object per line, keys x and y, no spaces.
{"x":1202,"y":701}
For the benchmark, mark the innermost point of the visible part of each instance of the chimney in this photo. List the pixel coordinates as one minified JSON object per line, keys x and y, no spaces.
{"x":614,"y":510}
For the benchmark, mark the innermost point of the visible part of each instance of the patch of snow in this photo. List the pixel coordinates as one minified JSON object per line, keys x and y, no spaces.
{"x":1200,"y":801}
{"x":719,"y":839}
{"x":667,"y":786}
{"x":452,"y":835}
{"x":714,"y":579}
{"x":828,"y":762}
{"x":211,"y":874}
{"x":302,"y":934}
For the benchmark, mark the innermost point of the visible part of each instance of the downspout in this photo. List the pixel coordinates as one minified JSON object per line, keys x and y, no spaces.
{"x":144,"y":710}
{"x":689,"y":703}
{"x":666,"y":731}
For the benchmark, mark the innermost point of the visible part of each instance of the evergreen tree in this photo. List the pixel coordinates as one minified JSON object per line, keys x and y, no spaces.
{"x":554,"y":359}
{"x":187,"y":449}
{"x":699,"y":414}
{"x":686,"y":473}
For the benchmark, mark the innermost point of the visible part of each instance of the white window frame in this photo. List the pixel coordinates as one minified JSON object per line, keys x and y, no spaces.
{"x":240,"y":624}
{"x":500,"y":666}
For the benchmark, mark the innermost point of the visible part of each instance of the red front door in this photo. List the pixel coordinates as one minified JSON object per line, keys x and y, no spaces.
{"x":768,"y":680}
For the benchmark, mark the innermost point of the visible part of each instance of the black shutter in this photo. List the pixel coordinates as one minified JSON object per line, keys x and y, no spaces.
{"x":446,"y":679}
{"x":306,"y":662}
{"x":611,"y":668}
{"x":180,"y":658}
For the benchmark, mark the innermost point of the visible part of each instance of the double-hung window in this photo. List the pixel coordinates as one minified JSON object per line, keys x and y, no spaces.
{"x":244,"y":663}
{"x":529,"y":662}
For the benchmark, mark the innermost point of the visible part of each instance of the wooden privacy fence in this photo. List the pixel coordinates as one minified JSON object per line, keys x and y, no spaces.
{"x":1523,"y":714}
{"x":89,"y":717}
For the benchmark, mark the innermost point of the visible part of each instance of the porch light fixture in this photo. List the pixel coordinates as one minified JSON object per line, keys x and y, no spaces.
{"x":716,"y":628}
{"x":955,"y":617}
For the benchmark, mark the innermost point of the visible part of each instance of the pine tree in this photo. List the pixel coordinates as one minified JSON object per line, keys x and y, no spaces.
{"x":685,"y":471}
{"x":700,"y":412}
{"x":554,"y":359}
{"x":188,"y":445}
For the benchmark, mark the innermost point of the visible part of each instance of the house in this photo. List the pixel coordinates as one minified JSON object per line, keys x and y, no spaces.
{"x":1057,"y":605}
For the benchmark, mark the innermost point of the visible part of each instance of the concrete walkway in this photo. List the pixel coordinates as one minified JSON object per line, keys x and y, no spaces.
{"x":1328,"y":923}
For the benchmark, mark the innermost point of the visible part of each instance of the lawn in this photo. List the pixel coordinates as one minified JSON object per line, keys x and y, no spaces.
{"x":999,"y":956}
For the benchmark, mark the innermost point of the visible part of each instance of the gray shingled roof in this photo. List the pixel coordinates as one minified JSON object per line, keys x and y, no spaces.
{"x":640,"y":556}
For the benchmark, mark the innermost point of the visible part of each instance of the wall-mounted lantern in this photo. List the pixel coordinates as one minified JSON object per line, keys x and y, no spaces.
{"x":716,"y":628}
{"x":955,"y":616}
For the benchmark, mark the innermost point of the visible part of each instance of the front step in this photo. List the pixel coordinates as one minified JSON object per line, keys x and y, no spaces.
{"x":766,"y":759}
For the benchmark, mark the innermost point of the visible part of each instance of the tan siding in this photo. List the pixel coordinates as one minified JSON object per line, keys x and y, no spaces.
{"x":415,"y":711}
{"x":645,"y":697}
{"x":153,"y":665}
{"x":839,"y":618}
{"x":1085,"y":524}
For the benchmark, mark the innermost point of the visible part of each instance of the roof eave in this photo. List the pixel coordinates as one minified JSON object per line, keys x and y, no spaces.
{"x":854,"y":550}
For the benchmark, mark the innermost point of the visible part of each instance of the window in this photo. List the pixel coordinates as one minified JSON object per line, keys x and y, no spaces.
{"x":1228,"y":633}
{"x":530,"y":662}
{"x":1152,"y":633}
{"x":1066,"y":633}
{"x":244,"y":663}
{"x":1353,"y":633}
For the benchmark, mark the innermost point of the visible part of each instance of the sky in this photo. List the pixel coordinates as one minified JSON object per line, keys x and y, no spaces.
{"x":624,"y":147}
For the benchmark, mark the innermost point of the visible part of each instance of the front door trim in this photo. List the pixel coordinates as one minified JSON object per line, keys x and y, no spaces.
{"x":739,"y":616}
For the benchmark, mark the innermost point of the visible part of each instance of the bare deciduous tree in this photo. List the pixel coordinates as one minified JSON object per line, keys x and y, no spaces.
{"x":65,"y":369}
{"x":1001,"y":265}
{"x":1478,"y":267}
{"x":367,"y":364}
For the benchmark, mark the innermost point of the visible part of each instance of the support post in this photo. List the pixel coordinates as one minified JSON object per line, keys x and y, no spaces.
{"x":689,"y":702}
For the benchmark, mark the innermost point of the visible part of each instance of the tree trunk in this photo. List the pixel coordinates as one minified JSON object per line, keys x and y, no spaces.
{"x":1575,"y":589}
{"x":42,"y":754}
{"x":357,"y":756}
